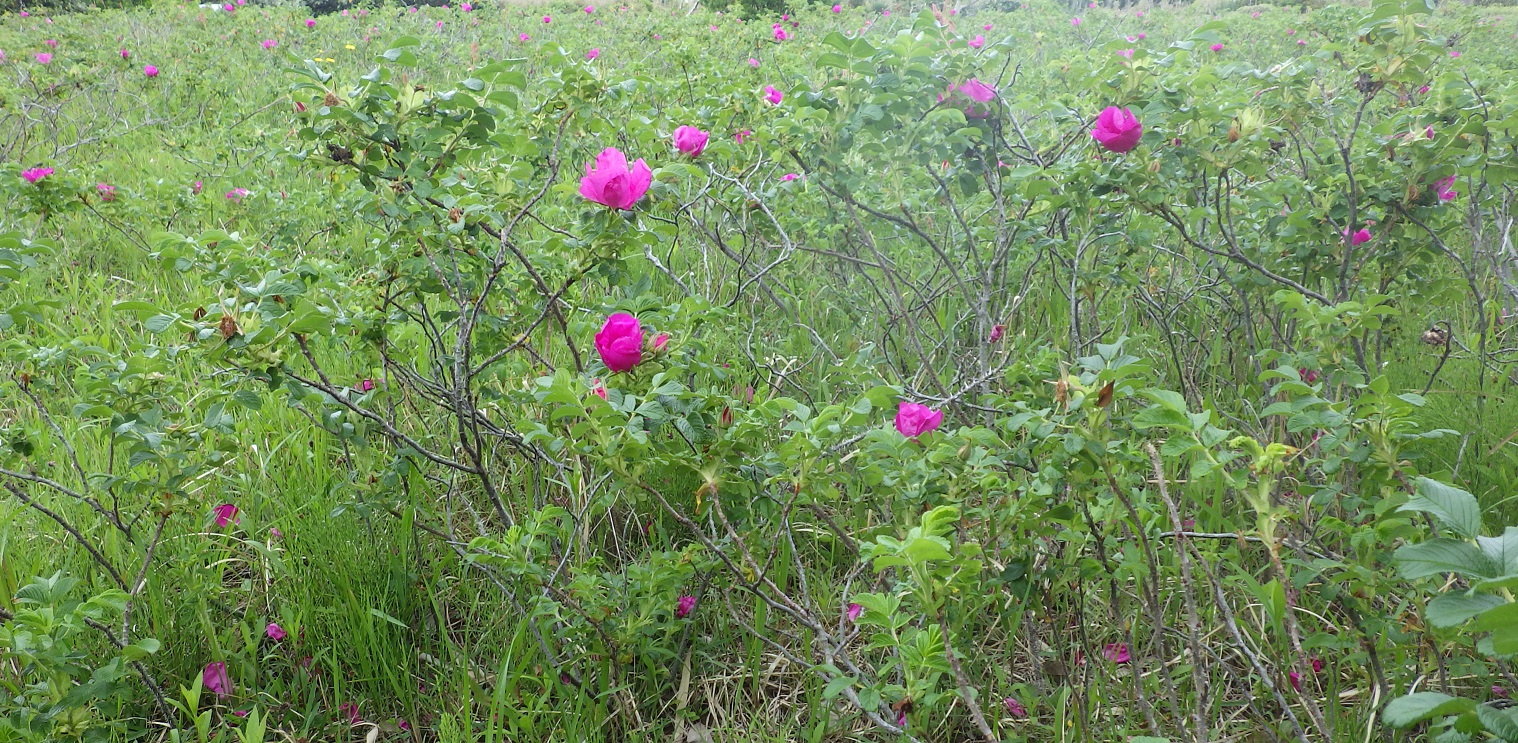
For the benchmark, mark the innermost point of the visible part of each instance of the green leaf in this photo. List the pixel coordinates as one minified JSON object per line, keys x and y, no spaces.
{"x":1503,"y":550}
{"x":310,"y":322}
{"x":1415,"y":708}
{"x":1499,"y":722}
{"x":838,"y":41}
{"x":1443,"y":555}
{"x":388,"y":618}
{"x":159,"y":323}
{"x":1454,"y":609}
{"x":1168,"y":399}
{"x":1454,"y":507}
{"x":832,"y":59}
{"x":925,"y":549}
{"x":1504,"y":617}
{"x":140,"y":649}
{"x":402,"y":57}
{"x":837,"y":685}
{"x":1161,"y":417}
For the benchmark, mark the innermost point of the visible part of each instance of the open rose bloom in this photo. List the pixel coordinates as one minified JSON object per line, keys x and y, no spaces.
{"x":1117,"y":129}
{"x":610,"y":182}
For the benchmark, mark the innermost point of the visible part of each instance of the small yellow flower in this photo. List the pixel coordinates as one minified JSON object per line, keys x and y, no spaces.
{"x":349,"y":47}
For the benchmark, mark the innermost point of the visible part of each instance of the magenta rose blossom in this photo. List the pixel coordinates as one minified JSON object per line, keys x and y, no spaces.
{"x":592,"y":54}
{"x":1117,"y":129}
{"x":150,"y":71}
{"x":620,"y":342}
{"x":226,"y":513}
{"x":854,"y":611}
{"x":215,"y":679}
{"x":690,"y":141}
{"x":275,"y":632}
{"x":1117,"y":652}
{"x":1015,"y":708}
{"x":772,"y":95}
{"x":611,"y":183}
{"x":977,"y":42}
{"x":1443,"y":188}
{"x":33,"y":175}
{"x":977,"y":91}
{"x":685,"y":606}
{"x":914,"y":420}
{"x":1359,"y":237}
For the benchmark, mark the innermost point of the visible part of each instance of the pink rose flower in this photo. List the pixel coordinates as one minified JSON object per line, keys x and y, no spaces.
{"x":215,"y":679}
{"x":1117,"y":129}
{"x":610,"y":182}
{"x":690,"y":141}
{"x":977,"y":91}
{"x":1443,"y":189}
{"x":620,"y":342}
{"x":913,"y":419}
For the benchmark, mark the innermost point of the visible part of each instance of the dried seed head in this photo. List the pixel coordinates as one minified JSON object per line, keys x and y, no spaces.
{"x":228,"y":327}
{"x":1436,"y":336}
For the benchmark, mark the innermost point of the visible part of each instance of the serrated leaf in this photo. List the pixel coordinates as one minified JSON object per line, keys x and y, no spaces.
{"x":1454,"y":609}
{"x":1503,"y":550}
{"x":1499,"y":722}
{"x":159,"y":323}
{"x":1454,"y":507}
{"x":1412,"y":709}
{"x":1443,"y":555}
{"x":837,"y":685}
